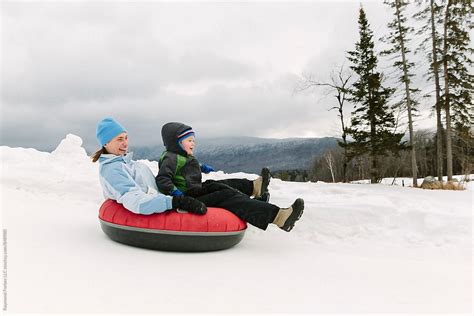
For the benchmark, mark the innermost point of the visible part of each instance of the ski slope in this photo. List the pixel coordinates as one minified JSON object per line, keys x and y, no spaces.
{"x":358,"y":248}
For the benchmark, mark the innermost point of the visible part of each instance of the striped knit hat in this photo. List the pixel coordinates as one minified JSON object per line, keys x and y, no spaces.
{"x":187,"y":133}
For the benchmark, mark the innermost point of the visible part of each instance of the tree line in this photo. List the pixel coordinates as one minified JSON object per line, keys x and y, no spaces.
{"x":329,"y":167}
{"x":378,"y":139}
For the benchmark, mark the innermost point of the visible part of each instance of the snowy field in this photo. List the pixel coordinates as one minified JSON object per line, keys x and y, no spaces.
{"x":357,"y":249}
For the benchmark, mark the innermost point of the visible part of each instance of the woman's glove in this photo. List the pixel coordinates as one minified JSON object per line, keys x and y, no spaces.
{"x":176,"y":192}
{"x":206,"y":168}
{"x":187,"y":203}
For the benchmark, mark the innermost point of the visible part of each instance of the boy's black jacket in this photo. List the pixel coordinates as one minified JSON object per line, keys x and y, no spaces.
{"x":183,"y":173}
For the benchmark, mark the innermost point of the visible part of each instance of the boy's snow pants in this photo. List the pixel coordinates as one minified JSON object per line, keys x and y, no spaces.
{"x":234,"y":196}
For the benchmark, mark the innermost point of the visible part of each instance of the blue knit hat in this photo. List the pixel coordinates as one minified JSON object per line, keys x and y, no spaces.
{"x":107,"y":129}
{"x":187,"y":133}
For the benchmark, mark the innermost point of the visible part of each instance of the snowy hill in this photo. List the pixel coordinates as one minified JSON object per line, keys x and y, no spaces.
{"x":358,"y":248}
{"x":250,"y":154}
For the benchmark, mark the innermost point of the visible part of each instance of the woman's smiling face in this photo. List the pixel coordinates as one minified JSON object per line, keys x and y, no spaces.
{"x":118,"y":145}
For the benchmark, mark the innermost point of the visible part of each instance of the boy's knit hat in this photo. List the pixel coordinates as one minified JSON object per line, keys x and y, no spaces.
{"x":187,"y":133}
{"x":107,"y":129}
{"x":173,"y":133}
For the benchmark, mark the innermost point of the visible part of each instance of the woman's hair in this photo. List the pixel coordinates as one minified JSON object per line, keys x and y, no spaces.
{"x":97,"y":154}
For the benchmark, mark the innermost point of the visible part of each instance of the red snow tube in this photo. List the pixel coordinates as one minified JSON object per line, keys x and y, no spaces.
{"x":172,"y":231}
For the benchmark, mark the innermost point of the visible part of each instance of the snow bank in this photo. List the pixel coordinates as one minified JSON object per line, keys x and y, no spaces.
{"x":66,"y":172}
{"x":465,"y":179}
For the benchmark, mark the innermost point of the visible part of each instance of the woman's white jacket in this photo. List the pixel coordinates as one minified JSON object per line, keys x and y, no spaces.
{"x":132,"y":184}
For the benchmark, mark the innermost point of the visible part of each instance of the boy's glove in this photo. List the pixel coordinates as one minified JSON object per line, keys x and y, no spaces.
{"x":176,"y":192}
{"x":206,"y":168}
{"x":187,"y":203}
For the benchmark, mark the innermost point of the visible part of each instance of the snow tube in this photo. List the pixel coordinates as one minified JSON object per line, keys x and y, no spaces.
{"x":172,"y":231}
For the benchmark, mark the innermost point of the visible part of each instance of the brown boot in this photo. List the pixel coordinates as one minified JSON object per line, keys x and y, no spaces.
{"x":287,"y":217}
{"x":260,"y":186}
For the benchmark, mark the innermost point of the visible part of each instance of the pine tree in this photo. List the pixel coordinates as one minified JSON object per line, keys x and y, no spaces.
{"x":463,"y":149}
{"x":399,"y":39}
{"x":458,"y":81}
{"x":432,"y":15}
{"x":372,"y":122}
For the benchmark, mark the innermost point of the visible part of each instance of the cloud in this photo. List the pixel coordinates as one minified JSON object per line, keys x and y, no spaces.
{"x":225,"y":68}
{"x":221,"y":111}
{"x":58,"y":61}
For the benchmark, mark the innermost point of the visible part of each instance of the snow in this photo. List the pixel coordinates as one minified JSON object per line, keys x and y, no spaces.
{"x":358,"y":248}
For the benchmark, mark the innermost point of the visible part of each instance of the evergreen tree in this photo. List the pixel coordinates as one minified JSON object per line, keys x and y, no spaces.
{"x":399,"y":38}
{"x":463,"y":150}
{"x":372,"y":121}
{"x":458,"y":81}
{"x":432,"y":15}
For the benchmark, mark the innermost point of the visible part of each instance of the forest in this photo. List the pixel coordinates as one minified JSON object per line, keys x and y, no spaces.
{"x":378,"y":138}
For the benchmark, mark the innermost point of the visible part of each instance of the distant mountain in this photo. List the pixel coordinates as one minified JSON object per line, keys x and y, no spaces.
{"x":250,"y":154}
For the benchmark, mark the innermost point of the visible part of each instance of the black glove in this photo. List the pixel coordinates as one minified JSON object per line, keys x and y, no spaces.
{"x":187,"y":203}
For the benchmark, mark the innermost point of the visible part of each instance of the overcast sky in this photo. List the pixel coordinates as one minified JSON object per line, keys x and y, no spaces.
{"x":223,"y":68}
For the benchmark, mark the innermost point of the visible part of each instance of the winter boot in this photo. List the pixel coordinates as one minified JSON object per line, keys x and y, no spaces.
{"x":286,"y":217}
{"x":260,"y":186}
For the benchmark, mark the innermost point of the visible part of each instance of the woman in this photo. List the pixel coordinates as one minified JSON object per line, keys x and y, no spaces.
{"x":129,"y":182}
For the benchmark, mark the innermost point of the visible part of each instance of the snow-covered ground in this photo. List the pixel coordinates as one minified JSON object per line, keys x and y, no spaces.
{"x":358,"y":248}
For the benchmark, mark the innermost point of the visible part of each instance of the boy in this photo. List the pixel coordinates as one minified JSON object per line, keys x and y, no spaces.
{"x":180,"y":174}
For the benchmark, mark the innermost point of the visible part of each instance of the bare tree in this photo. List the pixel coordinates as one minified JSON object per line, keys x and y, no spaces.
{"x":340,"y":85}
{"x":458,"y":77}
{"x":449,"y":147}
{"x":330,"y":164}
{"x":439,"y":125}
{"x":431,"y":13}
{"x":399,"y":39}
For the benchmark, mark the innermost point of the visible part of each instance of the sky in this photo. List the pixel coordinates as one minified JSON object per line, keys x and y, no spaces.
{"x":225,"y":68}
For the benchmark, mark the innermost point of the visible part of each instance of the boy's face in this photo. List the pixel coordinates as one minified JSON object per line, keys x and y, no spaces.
{"x":188,"y":145}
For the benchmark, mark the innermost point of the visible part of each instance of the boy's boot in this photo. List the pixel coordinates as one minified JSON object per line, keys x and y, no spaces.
{"x":260,"y":186}
{"x":286,"y":217}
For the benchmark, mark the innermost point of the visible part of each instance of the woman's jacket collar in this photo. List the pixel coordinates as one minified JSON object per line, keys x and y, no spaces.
{"x":108,"y":158}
